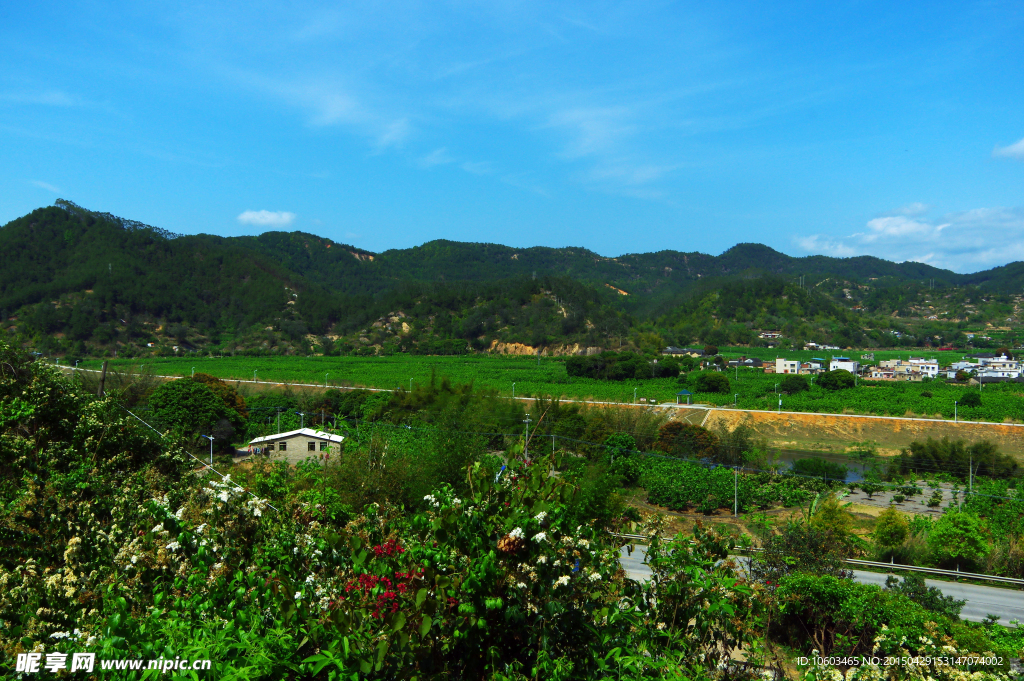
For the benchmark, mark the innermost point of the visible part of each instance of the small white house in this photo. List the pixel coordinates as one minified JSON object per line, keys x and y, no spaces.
{"x":296,"y":445}
{"x":845,"y":363}
{"x":787,"y":366}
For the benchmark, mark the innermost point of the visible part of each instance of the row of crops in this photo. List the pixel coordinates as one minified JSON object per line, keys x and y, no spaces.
{"x":681,"y":485}
{"x":748,"y":389}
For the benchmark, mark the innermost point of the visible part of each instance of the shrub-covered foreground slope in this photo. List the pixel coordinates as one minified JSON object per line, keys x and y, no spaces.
{"x":114,"y":541}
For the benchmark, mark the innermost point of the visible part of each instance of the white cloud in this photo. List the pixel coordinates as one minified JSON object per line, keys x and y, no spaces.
{"x":592,"y":130}
{"x":45,"y":185}
{"x":49,"y":98}
{"x":437,"y":157}
{"x":1015,"y":150}
{"x":477,"y":167}
{"x":912,"y":210}
{"x":966,"y":241}
{"x":266,"y":218}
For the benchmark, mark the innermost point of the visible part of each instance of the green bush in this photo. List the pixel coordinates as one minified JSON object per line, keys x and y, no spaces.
{"x":710,"y":382}
{"x":794,"y":384}
{"x":840,"y":379}
{"x":958,"y":540}
{"x":819,"y":468}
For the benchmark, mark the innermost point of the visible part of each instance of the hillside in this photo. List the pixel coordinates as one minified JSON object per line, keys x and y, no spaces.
{"x":78,"y":282}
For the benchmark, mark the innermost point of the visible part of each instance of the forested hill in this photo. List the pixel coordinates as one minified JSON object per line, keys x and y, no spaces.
{"x":92,"y":280}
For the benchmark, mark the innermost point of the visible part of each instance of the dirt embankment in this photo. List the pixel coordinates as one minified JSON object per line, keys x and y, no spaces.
{"x":500,"y":348}
{"x":840,"y":433}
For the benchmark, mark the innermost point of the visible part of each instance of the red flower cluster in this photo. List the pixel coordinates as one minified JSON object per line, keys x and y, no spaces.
{"x":387,"y":601}
{"x":388,"y":548}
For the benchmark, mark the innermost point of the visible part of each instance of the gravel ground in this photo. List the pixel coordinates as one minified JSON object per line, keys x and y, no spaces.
{"x":915,"y":504}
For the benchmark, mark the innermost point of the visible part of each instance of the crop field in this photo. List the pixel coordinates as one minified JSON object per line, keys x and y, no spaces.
{"x":750,"y":389}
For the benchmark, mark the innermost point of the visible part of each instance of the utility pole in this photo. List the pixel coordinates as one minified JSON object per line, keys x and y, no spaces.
{"x":279,"y":420}
{"x":735,"y":492}
{"x":526,"y":442}
{"x":103,"y":379}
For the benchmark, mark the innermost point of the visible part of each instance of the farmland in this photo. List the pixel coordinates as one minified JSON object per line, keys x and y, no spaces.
{"x":750,"y":389}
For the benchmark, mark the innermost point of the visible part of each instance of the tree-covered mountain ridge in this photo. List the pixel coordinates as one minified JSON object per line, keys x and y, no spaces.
{"x":74,"y":276}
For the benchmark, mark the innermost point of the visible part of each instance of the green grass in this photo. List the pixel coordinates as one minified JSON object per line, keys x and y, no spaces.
{"x":755,"y":390}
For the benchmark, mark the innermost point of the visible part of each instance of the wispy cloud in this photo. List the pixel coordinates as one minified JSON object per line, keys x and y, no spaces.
{"x":477,"y":167}
{"x":438,"y":157}
{"x":1015,"y":151}
{"x":330,"y":102}
{"x":266,"y":218}
{"x":45,"y":185}
{"x":592,"y":130}
{"x":48,"y":98}
{"x":910,"y":210}
{"x":965,"y":241}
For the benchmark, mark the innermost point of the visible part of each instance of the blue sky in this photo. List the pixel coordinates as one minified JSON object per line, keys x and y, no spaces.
{"x":891,"y":129}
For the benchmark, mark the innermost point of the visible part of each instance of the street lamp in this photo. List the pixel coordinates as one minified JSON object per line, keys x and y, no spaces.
{"x":210,"y":438}
{"x":526,"y":442}
{"x":254,"y":375}
{"x":302,"y":418}
{"x":325,"y":379}
{"x":634,"y":395}
{"x":954,"y":411}
{"x":76,"y":363}
{"x":193,"y":372}
{"x":776,"y":388}
{"x":513,"y":390}
{"x":410,"y":385}
{"x":735,"y":399}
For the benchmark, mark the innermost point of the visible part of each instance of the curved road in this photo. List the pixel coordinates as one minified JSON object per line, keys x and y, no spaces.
{"x":1008,"y":604}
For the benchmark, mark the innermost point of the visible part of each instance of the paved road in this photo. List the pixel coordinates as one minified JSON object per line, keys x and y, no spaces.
{"x":981,"y":600}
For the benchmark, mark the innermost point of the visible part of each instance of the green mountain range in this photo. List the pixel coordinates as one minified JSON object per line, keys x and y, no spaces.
{"x":79,"y":282}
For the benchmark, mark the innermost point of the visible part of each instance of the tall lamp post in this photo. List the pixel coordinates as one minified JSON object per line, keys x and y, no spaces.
{"x":526,"y":442}
{"x":513,"y":390}
{"x":325,"y":379}
{"x":193,"y":372}
{"x":954,"y":411}
{"x":634,"y":395}
{"x":210,"y":438}
{"x":254,"y":375}
{"x":735,"y":399}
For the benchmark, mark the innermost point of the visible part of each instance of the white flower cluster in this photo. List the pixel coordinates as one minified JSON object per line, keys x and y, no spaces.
{"x":562,"y":581}
{"x":516,"y":533}
{"x":540,"y":536}
{"x":542,"y":560}
{"x":540,"y":516}
{"x":432,"y":500}
{"x":594,"y":576}
{"x":256,"y":506}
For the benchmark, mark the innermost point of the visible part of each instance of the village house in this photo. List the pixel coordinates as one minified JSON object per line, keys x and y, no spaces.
{"x":787,"y":366}
{"x":296,"y":445}
{"x":844,"y":363}
{"x":692,"y":352}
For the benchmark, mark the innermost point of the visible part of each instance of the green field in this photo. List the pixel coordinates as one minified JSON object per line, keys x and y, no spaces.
{"x":750,"y":389}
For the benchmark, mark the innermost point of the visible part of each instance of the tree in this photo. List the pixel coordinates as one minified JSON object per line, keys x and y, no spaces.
{"x":710,"y":350}
{"x":892,"y":529}
{"x":958,"y":538}
{"x":840,"y":379}
{"x":620,"y":444}
{"x":192,"y":409}
{"x":962,"y":376}
{"x":228,"y":395}
{"x":687,"y":439}
{"x":711,"y":382}
{"x":794,"y":384}
{"x":970,"y":399}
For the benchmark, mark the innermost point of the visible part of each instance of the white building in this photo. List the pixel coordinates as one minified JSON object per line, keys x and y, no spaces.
{"x":296,"y":445}
{"x":787,"y":366}
{"x":845,"y":363}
